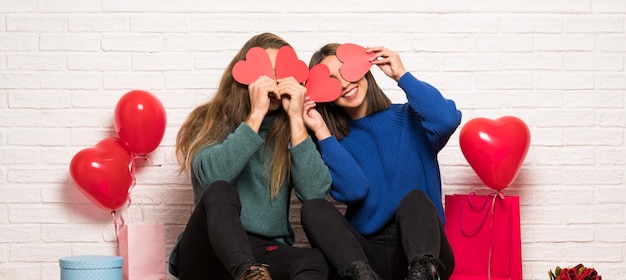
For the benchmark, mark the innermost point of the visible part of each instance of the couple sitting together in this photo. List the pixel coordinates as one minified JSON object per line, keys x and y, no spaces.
{"x":250,"y":146}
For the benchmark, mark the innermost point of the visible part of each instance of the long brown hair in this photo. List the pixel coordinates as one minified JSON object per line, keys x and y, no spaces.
{"x":336,"y":117}
{"x":211,"y":122}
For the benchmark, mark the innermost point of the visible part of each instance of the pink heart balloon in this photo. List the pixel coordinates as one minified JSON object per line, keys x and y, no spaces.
{"x":495,"y":149}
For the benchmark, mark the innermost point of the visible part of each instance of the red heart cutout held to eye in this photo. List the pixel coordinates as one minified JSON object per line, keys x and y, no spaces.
{"x":356,"y":62}
{"x":320,"y":87}
{"x":288,"y":65}
{"x":257,"y":63}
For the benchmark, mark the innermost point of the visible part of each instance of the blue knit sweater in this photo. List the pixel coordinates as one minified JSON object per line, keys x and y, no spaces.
{"x":389,"y":153}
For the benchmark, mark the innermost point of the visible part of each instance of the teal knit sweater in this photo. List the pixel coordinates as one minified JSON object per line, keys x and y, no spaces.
{"x":239,"y":160}
{"x":389,"y":153}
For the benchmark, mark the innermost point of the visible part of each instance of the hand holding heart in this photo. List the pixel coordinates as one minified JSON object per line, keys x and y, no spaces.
{"x":356,"y":61}
{"x":320,"y":86}
{"x":258,"y":63}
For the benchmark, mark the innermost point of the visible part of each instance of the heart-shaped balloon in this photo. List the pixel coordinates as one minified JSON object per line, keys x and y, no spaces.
{"x":288,"y":65}
{"x":355,"y":61}
{"x":257,"y":63}
{"x":140,"y":121}
{"x":495,"y":149}
{"x":104,"y":173}
{"x":320,"y":86}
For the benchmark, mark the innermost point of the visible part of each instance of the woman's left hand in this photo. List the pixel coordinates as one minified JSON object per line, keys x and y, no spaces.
{"x":388,"y":61}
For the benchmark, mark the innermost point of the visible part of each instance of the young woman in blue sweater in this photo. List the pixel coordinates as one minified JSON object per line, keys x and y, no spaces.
{"x":383,"y":162}
{"x":246,"y":150}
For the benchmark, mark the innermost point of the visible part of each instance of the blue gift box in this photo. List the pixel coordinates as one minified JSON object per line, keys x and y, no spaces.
{"x":91,"y":267}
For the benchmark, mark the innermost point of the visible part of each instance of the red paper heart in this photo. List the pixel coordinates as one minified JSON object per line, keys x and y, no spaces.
{"x":320,"y":87}
{"x":288,"y":65}
{"x":495,"y":149}
{"x":356,"y":62}
{"x":257,"y":63}
{"x":104,"y":173}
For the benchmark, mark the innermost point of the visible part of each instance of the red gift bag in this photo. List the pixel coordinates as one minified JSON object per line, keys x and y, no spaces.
{"x":484,"y":233}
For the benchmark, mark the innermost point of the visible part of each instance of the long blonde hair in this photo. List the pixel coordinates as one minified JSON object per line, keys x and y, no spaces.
{"x":211,"y":122}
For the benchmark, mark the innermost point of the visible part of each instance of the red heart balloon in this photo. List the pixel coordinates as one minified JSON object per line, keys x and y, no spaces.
{"x":320,"y":86}
{"x":140,"y":121}
{"x":495,"y":149}
{"x":356,"y":62}
{"x":288,"y":65}
{"x":257,"y":63}
{"x":104,"y":173}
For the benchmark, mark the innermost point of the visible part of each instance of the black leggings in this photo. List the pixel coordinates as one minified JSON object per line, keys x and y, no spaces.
{"x":416,"y":231}
{"x":215,"y":244}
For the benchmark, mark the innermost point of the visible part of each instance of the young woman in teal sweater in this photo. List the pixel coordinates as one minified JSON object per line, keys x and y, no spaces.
{"x":246,"y":150}
{"x":383,"y":162}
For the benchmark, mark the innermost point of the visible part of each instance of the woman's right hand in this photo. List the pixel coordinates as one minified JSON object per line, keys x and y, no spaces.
{"x":314,"y":121}
{"x":260,"y":91}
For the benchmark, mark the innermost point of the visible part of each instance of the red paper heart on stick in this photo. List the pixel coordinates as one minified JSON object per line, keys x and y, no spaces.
{"x":356,"y":62}
{"x":495,"y":149}
{"x":257,"y":63}
{"x":288,"y":65}
{"x":104,"y":173}
{"x":320,"y":86}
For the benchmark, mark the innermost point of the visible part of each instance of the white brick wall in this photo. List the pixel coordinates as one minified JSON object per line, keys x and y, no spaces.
{"x":558,"y":65}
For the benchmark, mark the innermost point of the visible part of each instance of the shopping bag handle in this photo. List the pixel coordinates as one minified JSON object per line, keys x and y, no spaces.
{"x":478,"y":207}
{"x":490,"y":210}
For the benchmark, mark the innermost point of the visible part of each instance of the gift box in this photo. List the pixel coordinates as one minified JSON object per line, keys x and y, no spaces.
{"x":91,"y":267}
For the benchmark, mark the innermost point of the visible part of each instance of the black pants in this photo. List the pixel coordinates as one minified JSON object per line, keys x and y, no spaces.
{"x":216,"y":246}
{"x":416,"y":231}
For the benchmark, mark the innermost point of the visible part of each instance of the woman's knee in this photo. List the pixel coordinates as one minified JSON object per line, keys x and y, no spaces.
{"x":315,"y":207}
{"x":416,"y":201}
{"x":220,"y":192}
{"x":416,"y":196}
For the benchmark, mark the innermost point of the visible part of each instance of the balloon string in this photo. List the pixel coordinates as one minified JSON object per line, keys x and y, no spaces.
{"x":115,"y":225}
{"x":145,"y":157}
{"x":474,"y":231}
{"x":132,"y":175}
{"x":493,"y":212}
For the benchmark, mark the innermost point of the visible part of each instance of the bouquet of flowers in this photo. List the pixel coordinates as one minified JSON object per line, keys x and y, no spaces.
{"x":579,"y":272}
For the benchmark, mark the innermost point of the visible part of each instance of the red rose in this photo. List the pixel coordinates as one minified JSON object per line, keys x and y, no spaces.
{"x":579,"y":272}
{"x":589,"y":274}
{"x":568,"y":274}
